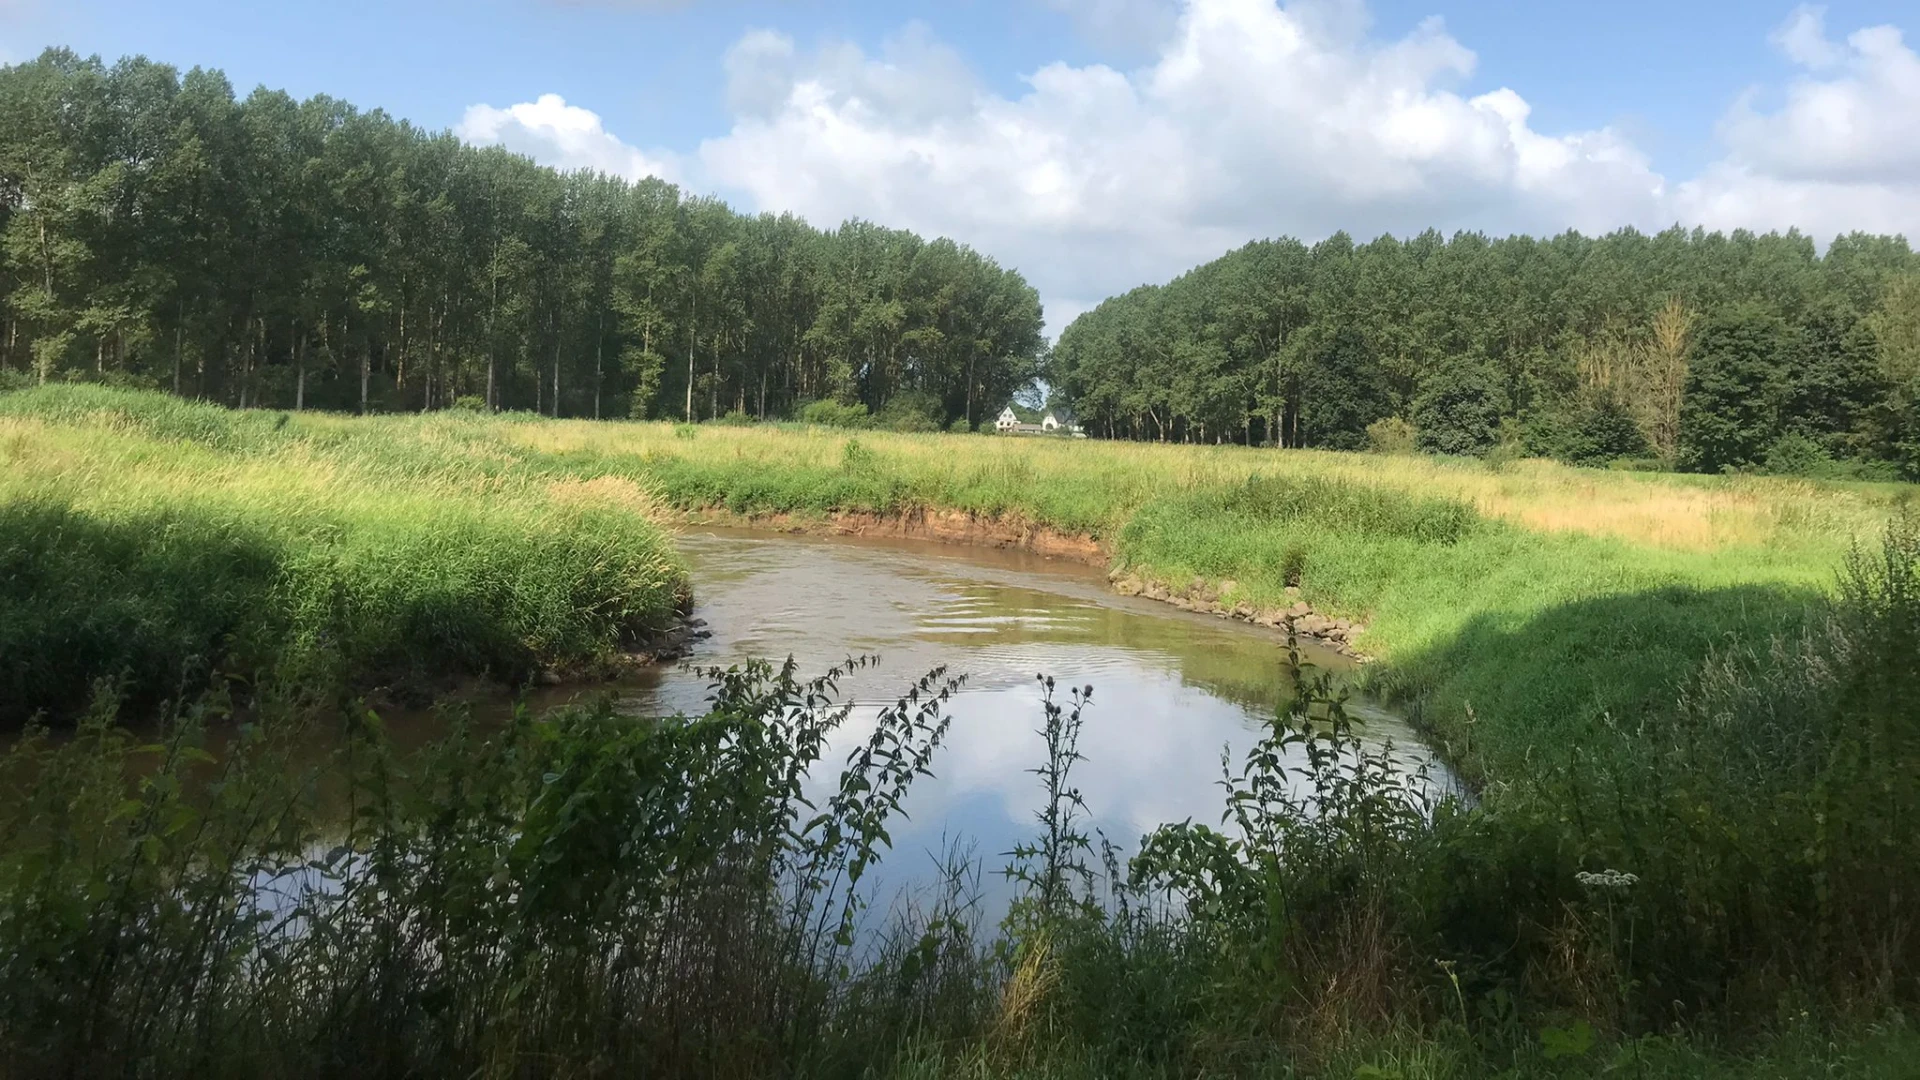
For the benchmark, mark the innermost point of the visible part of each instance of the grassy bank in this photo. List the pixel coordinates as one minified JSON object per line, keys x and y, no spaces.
{"x":584,"y":895}
{"x":1540,"y":600}
{"x":151,"y":543}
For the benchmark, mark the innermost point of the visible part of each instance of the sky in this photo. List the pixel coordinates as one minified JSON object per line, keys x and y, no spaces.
{"x":1100,"y":144}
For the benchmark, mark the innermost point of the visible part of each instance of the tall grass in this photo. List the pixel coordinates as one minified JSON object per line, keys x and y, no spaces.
{"x":151,"y":543}
{"x":1518,"y":608}
{"x":579,"y":894}
{"x":1726,"y":892}
{"x":1704,"y":898}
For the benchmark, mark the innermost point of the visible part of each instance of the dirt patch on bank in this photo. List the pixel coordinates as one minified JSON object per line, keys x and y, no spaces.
{"x":961,"y":527}
{"x":943,"y":526}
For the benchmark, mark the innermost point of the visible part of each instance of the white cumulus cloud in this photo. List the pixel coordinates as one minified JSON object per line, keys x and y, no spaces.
{"x":1841,"y":151}
{"x":1253,"y":118}
{"x":565,"y":136}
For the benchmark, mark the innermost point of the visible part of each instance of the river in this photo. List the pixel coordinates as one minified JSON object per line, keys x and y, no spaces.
{"x":1172,"y":689}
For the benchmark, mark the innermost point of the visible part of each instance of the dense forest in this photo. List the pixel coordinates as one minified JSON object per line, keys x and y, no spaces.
{"x":157,"y":231}
{"x":1691,"y":349}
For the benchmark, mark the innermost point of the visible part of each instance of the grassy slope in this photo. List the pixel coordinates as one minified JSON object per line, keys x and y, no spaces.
{"x":1572,"y":593}
{"x":153,"y":539}
{"x":1577,"y":593}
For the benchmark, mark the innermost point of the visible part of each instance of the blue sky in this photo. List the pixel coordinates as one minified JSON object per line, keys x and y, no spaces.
{"x":1170,"y":129}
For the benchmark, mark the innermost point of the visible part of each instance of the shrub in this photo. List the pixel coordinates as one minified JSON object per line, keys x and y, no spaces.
{"x":1602,"y":429}
{"x":470,"y":403}
{"x":1794,"y":454}
{"x":736,"y":418}
{"x":911,"y":411}
{"x":583,"y":893}
{"x":1459,"y":409}
{"x":1392,"y":435}
{"x":830,"y":413}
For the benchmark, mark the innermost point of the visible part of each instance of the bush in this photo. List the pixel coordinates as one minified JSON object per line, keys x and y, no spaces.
{"x":1601,"y":430}
{"x":911,"y":411}
{"x":1392,"y":435}
{"x":470,"y":403}
{"x":581,"y":893}
{"x":1793,"y":454}
{"x":736,"y":418}
{"x":1458,"y":411}
{"x":830,"y":413}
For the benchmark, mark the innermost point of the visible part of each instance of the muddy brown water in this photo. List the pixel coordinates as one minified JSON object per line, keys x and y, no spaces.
{"x":1173,"y":690}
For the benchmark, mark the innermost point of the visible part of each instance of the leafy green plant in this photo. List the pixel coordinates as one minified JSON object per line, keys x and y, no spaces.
{"x":581,"y":889}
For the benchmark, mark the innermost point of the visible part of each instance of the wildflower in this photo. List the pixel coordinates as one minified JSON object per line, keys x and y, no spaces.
{"x":1607,"y":879}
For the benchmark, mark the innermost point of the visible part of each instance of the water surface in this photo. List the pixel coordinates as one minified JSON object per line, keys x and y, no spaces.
{"x":1172,"y":689}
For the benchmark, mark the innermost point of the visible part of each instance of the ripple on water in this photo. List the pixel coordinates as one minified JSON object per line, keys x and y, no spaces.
{"x":1172,"y":691}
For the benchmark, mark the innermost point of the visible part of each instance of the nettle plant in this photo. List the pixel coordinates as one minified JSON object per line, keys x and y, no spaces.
{"x":1320,"y":831}
{"x":666,"y":894}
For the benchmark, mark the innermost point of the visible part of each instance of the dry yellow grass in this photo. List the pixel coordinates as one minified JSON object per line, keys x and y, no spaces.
{"x":1677,"y":513}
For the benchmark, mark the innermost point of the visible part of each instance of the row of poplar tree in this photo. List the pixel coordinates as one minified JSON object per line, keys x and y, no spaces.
{"x":1697,"y":350}
{"x":156,"y":230}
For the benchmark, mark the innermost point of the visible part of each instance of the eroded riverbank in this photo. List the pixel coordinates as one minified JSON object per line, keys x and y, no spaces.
{"x":960,"y":528}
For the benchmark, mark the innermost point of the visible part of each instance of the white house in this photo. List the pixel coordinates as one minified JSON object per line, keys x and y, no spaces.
{"x":1009,"y":424}
{"x":1055,"y":422}
{"x":1061,"y":422}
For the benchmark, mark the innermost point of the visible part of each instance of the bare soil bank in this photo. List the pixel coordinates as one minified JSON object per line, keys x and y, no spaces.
{"x":960,"y":527}
{"x":944,"y":526}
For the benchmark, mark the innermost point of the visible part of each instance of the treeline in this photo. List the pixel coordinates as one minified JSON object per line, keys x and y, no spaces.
{"x":1698,"y":350}
{"x":157,"y":231}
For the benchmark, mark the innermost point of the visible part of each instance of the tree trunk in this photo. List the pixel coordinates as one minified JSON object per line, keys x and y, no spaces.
{"x":692,"y":348}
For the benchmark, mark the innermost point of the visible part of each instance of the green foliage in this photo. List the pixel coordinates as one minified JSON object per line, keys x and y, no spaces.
{"x":1282,"y":343}
{"x":1280,"y":502}
{"x":1603,"y":430}
{"x":577,"y":891}
{"x":1794,"y":454}
{"x":1731,"y":411}
{"x":1342,"y":390}
{"x":829,"y":413}
{"x":1392,"y":435}
{"x":204,"y":545}
{"x":385,"y":267}
{"x":1458,"y":411}
{"x":910,"y":412}
{"x":675,"y":897}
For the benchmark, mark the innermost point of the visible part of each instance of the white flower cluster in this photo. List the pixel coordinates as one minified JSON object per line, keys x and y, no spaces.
{"x":1607,"y":879}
